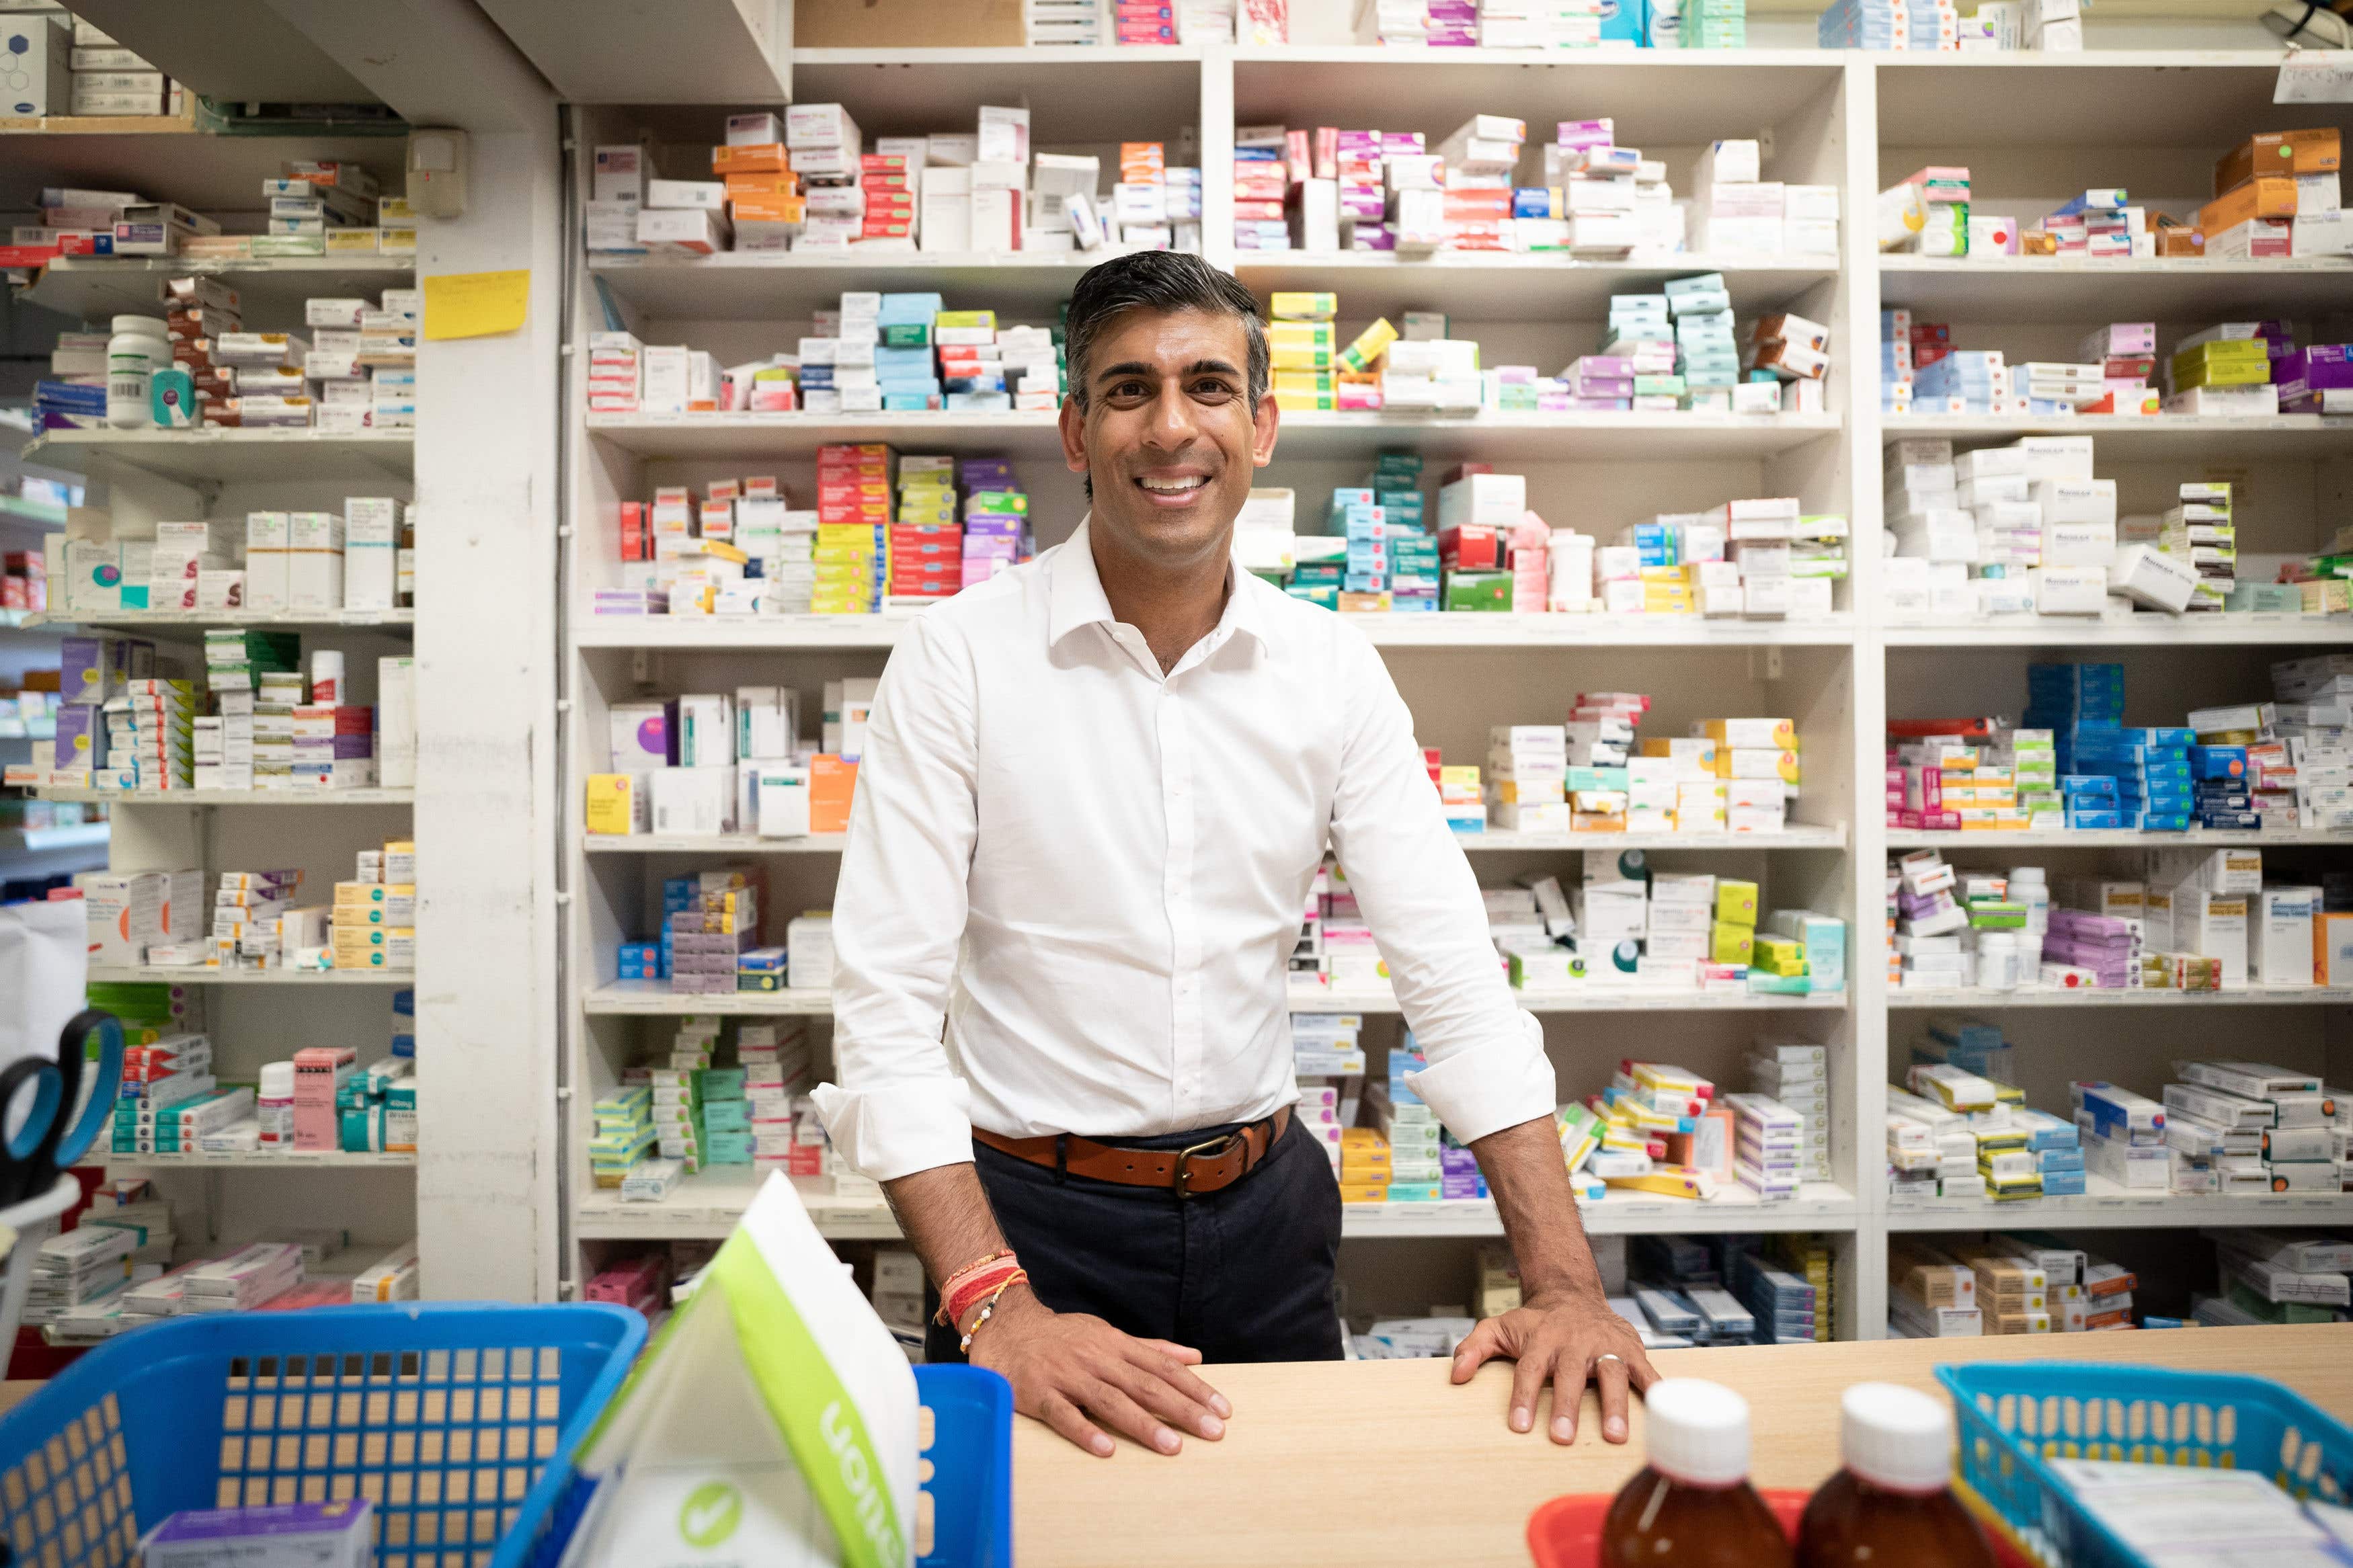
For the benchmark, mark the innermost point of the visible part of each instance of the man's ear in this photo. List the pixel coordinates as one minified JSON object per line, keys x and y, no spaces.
{"x":1263,"y":419}
{"x":1073,"y":425}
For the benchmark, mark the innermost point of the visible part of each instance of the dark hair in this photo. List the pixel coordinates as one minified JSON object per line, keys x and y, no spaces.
{"x":1161,"y":281}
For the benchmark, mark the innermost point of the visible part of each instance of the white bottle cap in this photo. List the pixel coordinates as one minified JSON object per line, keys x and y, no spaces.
{"x":147,"y":326}
{"x":2027,"y":875}
{"x":277,"y":1080}
{"x":1896,"y":1437}
{"x":1698,"y":1432}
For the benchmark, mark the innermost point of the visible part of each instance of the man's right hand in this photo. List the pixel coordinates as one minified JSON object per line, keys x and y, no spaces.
{"x":1072,"y":1370}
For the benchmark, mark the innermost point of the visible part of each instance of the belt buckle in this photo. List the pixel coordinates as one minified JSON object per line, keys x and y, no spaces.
{"x":1213,"y":1147}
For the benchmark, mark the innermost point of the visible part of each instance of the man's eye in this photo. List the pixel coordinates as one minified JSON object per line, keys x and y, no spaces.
{"x":1212,"y":391}
{"x":1131,"y":389}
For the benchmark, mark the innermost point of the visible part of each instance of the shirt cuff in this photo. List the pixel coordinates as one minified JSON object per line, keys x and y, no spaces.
{"x":895,"y":1129}
{"x":1497,"y":1083}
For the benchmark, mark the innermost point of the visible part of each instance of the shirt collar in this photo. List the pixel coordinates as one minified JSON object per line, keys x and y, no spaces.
{"x":1076,"y":598}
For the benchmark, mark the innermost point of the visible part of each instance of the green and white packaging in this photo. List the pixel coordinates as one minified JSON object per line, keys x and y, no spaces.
{"x":772,"y":1423}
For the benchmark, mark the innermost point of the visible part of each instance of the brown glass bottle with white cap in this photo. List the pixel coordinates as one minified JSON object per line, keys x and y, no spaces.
{"x":1893,"y":1503}
{"x":1692,"y":1506}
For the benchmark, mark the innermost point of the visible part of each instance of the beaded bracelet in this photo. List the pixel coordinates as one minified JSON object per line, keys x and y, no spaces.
{"x":956,"y":1283}
{"x":988,"y":1309}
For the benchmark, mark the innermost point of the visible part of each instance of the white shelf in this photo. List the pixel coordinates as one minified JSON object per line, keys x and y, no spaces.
{"x":2173,"y":437}
{"x":1591,"y":998}
{"x":92,"y":288}
{"x":654,"y":999}
{"x":1975,"y":997}
{"x":2148,"y":630}
{"x":158,"y":621}
{"x":50,"y":840}
{"x":197,"y":974}
{"x":758,"y":286}
{"x":1458,"y":630}
{"x":335,"y":1158}
{"x":709,"y":844}
{"x":2055,"y":289}
{"x":706,"y":1206}
{"x":1669,"y":97}
{"x":169,"y":159}
{"x":1493,"y":840}
{"x":228,"y":455}
{"x":1552,"y":437}
{"x":1799,"y":836}
{"x":1489,"y":287}
{"x":2106,"y":1205}
{"x":2198,"y":99}
{"x":1076,"y":93}
{"x":1035,"y":433}
{"x":2103,"y":838}
{"x":233,"y":796}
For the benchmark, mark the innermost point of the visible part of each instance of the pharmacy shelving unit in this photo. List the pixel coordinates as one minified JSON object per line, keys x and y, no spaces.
{"x":2026,"y":131}
{"x":2033,"y":128}
{"x":1513,"y":668}
{"x":140,"y":477}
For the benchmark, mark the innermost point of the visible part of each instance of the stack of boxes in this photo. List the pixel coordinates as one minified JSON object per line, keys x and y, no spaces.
{"x":1770,"y":1148}
{"x":1795,"y":1075}
{"x":2198,"y":533}
{"x":623,"y":1133}
{"x":1409,"y":1129}
{"x":374,"y":913}
{"x":1303,"y":348}
{"x":710,"y":923}
{"x":1528,"y":775}
{"x":853,"y":485}
{"x":680,"y":1131}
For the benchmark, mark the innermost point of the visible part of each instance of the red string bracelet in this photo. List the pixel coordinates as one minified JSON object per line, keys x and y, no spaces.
{"x":971,"y":1287}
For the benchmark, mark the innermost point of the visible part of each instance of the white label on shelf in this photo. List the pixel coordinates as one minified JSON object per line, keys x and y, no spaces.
{"x":2315,"y":75}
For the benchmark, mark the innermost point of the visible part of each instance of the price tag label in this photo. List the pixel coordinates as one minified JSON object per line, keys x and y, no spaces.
{"x":2316,"y":76}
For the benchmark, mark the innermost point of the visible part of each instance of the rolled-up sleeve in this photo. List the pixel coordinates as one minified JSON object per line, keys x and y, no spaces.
{"x":1487,"y":1067}
{"x":899,"y":916}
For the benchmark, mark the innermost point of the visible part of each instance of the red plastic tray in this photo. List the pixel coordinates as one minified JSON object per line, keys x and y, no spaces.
{"x":1567,"y":1531}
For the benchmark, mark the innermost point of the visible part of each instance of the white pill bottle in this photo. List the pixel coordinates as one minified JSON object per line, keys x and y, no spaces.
{"x":138,"y":349}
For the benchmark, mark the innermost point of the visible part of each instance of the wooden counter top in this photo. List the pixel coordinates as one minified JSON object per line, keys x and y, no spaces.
{"x":1366,"y":1463}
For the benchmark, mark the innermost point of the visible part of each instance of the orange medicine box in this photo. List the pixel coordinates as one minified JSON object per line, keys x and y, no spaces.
{"x":2264,"y":196}
{"x":832,"y":781}
{"x":2280,"y":153}
{"x":768,"y":158}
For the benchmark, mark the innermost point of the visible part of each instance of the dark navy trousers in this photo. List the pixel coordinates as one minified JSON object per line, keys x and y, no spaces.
{"x":1243,"y":1274}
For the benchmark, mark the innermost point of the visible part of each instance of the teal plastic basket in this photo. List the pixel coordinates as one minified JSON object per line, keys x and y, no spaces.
{"x":2015,"y":1416}
{"x":457,"y":1421}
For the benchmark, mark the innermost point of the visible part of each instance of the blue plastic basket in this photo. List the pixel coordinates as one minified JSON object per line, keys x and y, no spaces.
{"x":964,"y":1518}
{"x":451,"y":1418}
{"x":2015,"y":1416}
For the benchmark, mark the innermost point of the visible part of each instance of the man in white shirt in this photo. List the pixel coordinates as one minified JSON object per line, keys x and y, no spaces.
{"x":1094,"y":794}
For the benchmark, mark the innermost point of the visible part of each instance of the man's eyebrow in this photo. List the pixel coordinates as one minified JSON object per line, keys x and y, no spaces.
{"x":1138,"y":368}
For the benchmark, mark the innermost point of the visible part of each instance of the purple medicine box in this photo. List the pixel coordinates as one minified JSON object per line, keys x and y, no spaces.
{"x":289,"y":1535}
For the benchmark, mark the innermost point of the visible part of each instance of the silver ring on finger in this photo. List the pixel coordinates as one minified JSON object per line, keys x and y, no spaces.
{"x":1607,"y":1355}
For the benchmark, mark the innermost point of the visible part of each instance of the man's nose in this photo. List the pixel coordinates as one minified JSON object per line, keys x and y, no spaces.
{"x":1171,"y":423}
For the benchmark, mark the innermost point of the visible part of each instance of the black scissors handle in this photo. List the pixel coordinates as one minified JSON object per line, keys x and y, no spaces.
{"x":43,"y":1143}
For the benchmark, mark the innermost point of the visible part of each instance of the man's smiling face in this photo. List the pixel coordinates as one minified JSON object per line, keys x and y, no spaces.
{"x":1167,"y":436}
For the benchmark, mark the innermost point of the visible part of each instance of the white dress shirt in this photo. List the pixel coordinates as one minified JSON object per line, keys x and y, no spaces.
{"x":1096,"y":873}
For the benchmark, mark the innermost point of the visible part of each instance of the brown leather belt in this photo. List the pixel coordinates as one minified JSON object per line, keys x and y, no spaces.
{"x":1205,"y":1167}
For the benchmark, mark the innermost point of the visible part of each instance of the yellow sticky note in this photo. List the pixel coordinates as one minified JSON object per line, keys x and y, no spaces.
{"x":475,"y":304}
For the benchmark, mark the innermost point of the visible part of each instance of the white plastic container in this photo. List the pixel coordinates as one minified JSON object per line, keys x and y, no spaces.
{"x":1998,"y":961}
{"x":273,"y":1106}
{"x":139,"y":347}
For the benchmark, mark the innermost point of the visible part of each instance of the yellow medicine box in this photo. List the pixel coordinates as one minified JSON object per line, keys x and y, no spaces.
{"x":1370,"y":344}
{"x":1779,"y":956}
{"x":956,"y":319}
{"x":1363,"y":1192}
{"x":1304,"y":307}
{"x":1735,"y":902}
{"x":615,"y":805}
{"x":1733,"y":944}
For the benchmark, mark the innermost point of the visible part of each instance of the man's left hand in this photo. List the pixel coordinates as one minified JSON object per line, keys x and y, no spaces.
{"x":1567,"y":1339}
